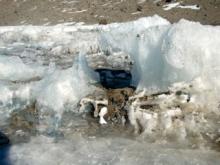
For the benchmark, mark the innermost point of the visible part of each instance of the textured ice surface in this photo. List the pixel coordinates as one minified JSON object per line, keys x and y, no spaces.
{"x":46,"y":66}
{"x":13,"y":69}
{"x":117,"y":151}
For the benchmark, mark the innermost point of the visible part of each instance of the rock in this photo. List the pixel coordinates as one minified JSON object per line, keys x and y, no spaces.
{"x":103,"y":21}
{"x":139,"y":8}
{"x":168,"y":1}
{"x":158,"y":4}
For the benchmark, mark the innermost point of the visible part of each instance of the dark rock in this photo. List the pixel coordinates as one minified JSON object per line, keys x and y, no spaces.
{"x":114,"y":78}
{"x":168,"y":1}
{"x":16,"y":12}
{"x":103,"y":21}
{"x":123,"y":9}
{"x":139,"y":8}
{"x":158,"y":4}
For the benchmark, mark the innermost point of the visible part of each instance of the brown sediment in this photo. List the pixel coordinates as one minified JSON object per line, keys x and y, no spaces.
{"x":117,"y":99}
{"x":22,"y":124}
{"x":42,"y":12}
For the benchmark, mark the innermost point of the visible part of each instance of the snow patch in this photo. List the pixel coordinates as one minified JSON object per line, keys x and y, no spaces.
{"x":180,"y":5}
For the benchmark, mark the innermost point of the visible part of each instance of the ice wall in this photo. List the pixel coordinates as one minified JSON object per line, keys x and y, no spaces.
{"x":165,"y":53}
{"x":40,"y":60}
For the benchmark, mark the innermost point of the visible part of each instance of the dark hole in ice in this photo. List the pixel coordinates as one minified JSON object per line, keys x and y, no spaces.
{"x":4,"y":149}
{"x":114,"y":78}
{"x":3,"y":139}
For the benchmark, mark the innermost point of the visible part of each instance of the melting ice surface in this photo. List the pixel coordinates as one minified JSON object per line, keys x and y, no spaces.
{"x":45,"y":67}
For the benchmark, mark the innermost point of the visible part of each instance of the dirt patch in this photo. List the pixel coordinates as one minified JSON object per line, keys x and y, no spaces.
{"x":43,"y":12}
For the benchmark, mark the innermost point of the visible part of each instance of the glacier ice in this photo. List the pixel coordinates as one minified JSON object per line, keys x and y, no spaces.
{"x":13,"y":69}
{"x":162,"y":53}
{"x":47,"y":66}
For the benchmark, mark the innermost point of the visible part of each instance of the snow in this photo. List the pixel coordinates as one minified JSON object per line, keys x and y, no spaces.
{"x":179,"y":5}
{"x":193,"y":7}
{"x":171,"y":6}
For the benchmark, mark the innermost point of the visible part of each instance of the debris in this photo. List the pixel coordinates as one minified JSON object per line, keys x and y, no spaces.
{"x":117,"y":99}
{"x":103,"y":21}
{"x":139,"y":8}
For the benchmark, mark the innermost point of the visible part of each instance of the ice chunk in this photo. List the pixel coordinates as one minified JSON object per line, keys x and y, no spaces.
{"x":102,"y":113}
{"x":13,"y":69}
{"x":185,"y":57}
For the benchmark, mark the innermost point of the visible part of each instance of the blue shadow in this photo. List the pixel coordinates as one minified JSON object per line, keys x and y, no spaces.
{"x":4,"y":149}
{"x":114,"y":79}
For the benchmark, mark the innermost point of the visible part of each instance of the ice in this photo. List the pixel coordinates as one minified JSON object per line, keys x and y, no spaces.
{"x":162,"y":53}
{"x":13,"y":69}
{"x":62,"y":87}
{"x":129,"y":37}
{"x":81,"y":151}
{"x":13,"y":98}
{"x":187,"y":60}
{"x":47,"y":67}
